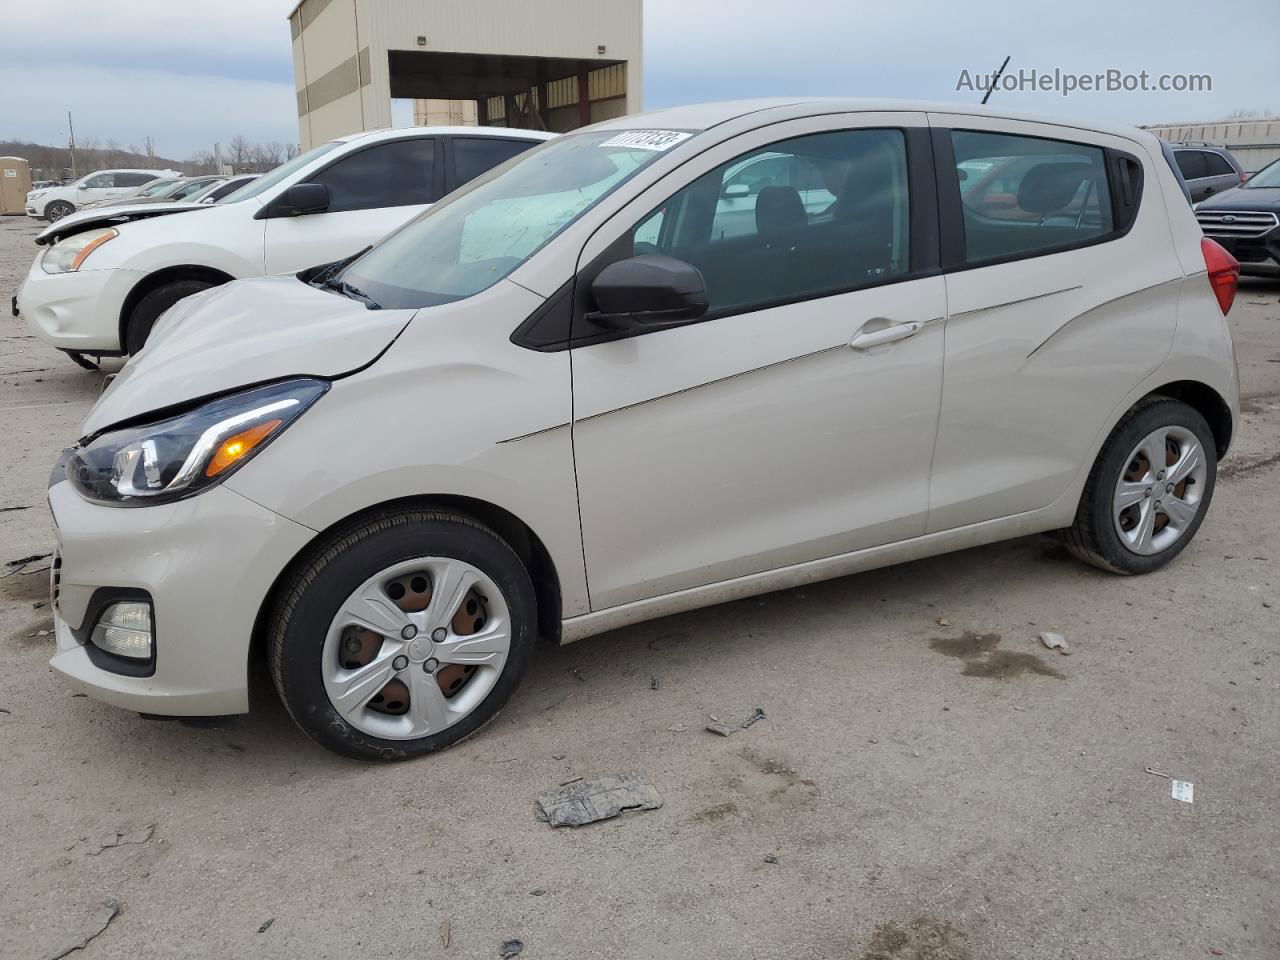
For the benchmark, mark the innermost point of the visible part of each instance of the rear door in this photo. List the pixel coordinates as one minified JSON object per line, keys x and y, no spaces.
{"x":1219,"y":174}
{"x":1195,"y":170}
{"x":1062,"y":297}
{"x":372,"y":191}
{"x":468,"y":157}
{"x":796,"y":420}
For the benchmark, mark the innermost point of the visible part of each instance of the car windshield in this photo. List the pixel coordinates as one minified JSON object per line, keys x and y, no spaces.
{"x":479,"y":234}
{"x":1268,"y":176}
{"x":286,"y":169}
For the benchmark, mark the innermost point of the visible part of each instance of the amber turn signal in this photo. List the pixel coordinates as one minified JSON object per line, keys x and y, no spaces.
{"x":238,"y":446}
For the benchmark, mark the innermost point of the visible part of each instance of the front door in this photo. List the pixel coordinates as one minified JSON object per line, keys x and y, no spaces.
{"x":797,"y":420}
{"x":371,"y":193}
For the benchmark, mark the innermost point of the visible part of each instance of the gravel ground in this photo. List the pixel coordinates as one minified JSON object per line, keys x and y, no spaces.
{"x":919,"y":789}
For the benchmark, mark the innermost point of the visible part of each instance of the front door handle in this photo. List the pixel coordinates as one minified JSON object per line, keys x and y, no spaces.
{"x":876,"y":338}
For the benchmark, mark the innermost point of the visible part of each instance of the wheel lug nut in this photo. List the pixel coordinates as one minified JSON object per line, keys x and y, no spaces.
{"x":399,"y":663}
{"x":431,"y":665}
{"x":409,"y":631}
{"x":1168,"y":488}
{"x":438,"y":634}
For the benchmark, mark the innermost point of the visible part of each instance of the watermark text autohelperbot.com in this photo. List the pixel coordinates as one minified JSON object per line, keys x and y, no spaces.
{"x":1065,"y":83}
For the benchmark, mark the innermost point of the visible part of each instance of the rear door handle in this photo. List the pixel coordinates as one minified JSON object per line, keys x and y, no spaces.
{"x":876,"y":338}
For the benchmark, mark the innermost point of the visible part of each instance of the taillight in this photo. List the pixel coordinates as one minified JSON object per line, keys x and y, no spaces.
{"x":1224,"y":272}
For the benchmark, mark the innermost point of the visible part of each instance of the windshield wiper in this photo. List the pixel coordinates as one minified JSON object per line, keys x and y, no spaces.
{"x":355,"y":293}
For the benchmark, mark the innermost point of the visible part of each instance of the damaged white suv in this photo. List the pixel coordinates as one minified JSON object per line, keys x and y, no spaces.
{"x":105,"y":275}
{"x":572,"y":397}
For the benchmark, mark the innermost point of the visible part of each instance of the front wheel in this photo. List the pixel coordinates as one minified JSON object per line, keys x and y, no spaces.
{"x":57,"y":210}
{"x":403,"y":636}
{"x":150,"y":307}
{"x":1149,"y":489}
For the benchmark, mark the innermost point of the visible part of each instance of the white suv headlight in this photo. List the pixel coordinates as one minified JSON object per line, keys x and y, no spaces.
{"x":65,"y":256}
{"x":181,"y":455}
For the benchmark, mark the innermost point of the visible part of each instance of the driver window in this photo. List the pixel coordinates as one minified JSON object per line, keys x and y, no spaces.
{"x":801,"y":218}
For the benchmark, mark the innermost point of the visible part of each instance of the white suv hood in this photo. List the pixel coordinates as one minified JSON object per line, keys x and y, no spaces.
{"x":244,"y":333}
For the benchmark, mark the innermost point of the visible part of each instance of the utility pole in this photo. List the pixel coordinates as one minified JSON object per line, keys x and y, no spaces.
{"x":995,"y":78}
{"x":72,"y":128}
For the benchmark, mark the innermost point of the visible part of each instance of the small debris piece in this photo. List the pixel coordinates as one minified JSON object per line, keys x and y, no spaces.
{"x":510,"y":948}
{"x":678,"y":727}
{"x":538,"y":893}
{"x":723,"y":729}
{"x":754,"y":718}
{"x":1182,"y":790}
{"x":444,"y":932}
{"x":113,"y":910}
{"x":770,"y":858}
{"x":506,"y":760}
{"x":565,"y":783}
{"x":23,"y":561}
{"x":944,"y":622}
{"x":557,"y":756}
{"x":1157,"y":773}
{"x":117,"y":839}
{"x":5,"y":710}
{"x":590,"y":800}
{"x":266,"y":925}
{"x":577,"y":674}
{"x":653,"y":683}
{"x":1055,"y":641}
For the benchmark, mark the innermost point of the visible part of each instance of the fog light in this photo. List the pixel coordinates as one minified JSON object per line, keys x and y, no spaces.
{"x":125,"y":630}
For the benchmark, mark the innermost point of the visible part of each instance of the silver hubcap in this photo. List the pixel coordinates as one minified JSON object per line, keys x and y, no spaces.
{"x":416,"y":648}
{"x":1159,"y":492}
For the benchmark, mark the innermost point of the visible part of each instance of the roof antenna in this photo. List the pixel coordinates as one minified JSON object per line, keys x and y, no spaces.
{"x":995,"y":78}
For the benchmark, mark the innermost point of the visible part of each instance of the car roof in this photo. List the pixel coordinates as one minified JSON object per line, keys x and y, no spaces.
{"x":396,"y":132}
{"x":158,"y":173}
{"x":703,"y":116}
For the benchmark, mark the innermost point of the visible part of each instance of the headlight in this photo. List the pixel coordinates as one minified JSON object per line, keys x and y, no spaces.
{"x":182,"y":455}
{"x":35,"y":194}
{"x":65,"y":256}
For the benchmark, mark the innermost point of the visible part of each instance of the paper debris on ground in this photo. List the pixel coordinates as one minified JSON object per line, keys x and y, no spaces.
{"x":590,"y":800}
{"x":1182,"y":790}
{"x":1056,"y":641}
{"x":723,"y":729}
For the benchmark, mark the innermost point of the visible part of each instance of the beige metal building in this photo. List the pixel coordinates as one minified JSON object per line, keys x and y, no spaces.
{"x":540,"y":64}
{"x":1254,"y":142}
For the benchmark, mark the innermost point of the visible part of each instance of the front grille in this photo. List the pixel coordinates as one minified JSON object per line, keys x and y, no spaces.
{"x":1236,"y":223}
{"x":55,"y":579}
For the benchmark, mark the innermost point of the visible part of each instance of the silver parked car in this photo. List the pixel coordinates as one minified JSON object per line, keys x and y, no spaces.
{"x":1207,"y":169}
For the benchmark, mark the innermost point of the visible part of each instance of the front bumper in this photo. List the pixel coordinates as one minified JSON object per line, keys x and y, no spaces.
{"x":1257,"y":255}
{"x":76,"y":311}
{"x":207,"y":563}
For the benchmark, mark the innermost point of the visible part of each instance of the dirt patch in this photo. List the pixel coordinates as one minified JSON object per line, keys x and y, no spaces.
{"x":1237,"y":466}
{"x":982,"y":659}
{"x":748,"y":786}
{"x":918,"y":938}
{"x":966,"y":647}
{"x":25,"y":587}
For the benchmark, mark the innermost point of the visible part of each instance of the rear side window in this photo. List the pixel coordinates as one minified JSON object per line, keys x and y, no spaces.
{"x":393,"y":174}
{"x":101,"y":181}
{"x":473,"y":156}
{"x":1022,"y":196}
{"x":133,"y":179}
{"x":1192,"y":164}
{"x":1216,"y":165}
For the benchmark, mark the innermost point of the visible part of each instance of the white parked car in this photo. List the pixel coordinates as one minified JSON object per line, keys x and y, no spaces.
{"x":565,"y":400}
{"x":54,"y":203}
{"x":104,"y":276}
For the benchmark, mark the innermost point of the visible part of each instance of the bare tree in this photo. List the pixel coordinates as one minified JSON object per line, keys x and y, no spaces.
{"x":267,"y":155}
{"x":240,"y":153}
{"x":291,"y":150}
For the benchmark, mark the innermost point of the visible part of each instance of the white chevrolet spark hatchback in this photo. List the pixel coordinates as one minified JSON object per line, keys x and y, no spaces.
{"x":590,"y":389}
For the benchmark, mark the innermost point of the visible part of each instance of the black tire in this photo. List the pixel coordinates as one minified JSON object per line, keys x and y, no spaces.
{"x":57,"y":209}
{"x":1093,"y":537}
{"x":310,"y":600}
{"x":148,"y":310}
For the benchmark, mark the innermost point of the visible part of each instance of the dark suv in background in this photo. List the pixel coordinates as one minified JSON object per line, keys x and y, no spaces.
{"x":1207,"y":169}
{"x":1246,"y":220}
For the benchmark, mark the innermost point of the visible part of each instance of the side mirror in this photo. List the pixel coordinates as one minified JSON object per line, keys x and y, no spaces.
{"x":736,"y":191}
{"x":303,"y":198}
{"x":649,"y":290}
{"x":82,"y":186}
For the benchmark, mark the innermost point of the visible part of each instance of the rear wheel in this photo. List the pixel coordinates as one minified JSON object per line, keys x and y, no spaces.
{"x":404,"y":636}
{"x":148,"y":310}
{"x":58,"y":209}
{"x":1149,"y":490}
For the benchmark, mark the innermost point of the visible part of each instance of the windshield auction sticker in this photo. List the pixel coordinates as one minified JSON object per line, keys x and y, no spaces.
{"x":647,"y":139}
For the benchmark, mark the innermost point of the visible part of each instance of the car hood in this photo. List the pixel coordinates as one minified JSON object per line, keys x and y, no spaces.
{"x":1244,"y":198}
{"x":241,"y":334}
{"x":92,"y":217}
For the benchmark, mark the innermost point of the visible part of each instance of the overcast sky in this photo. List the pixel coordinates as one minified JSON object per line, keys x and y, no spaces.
{"x":188,"y":75}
